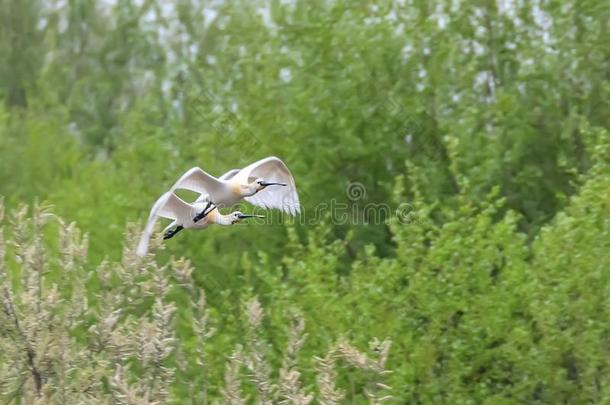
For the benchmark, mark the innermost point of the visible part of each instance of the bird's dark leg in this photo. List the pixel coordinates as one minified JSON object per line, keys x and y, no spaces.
{"x":203,"y":213}
{"x":171,"y":232}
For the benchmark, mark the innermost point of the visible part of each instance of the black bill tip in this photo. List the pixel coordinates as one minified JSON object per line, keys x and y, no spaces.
{"x":265,"y":184}
{"x":243,"y":216}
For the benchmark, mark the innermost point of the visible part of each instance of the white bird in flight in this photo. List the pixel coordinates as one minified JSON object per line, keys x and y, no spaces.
{"x":249,"y":183}
{"x":170,"y":206}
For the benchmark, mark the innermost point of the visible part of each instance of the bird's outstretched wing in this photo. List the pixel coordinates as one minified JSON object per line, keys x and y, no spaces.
{"x":193,"y":180}
{"x":199,"y":181}
{"x":229,"y":175}
{"x":169,"y":205}
{"x":272,"y":169}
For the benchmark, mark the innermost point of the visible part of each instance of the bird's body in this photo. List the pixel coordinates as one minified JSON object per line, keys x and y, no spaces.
{"x":249,"y":183}
{"x":184,"y":212}
{"x":170,"y":206}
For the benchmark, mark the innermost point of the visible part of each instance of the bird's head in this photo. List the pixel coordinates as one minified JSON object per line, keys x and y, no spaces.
{"x":238,"y":216}
{"x":261,"y":184}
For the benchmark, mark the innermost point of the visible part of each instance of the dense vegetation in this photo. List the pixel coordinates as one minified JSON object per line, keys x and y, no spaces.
{"x":481,"y":126}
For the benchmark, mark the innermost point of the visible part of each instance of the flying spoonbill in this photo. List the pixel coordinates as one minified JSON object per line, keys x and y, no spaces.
{"x":249,"y":183}
{"x":169,"y":205}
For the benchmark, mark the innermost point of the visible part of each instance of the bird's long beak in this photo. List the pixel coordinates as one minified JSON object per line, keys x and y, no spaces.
{"x":265,"y":184}
{"x":242,"y":216}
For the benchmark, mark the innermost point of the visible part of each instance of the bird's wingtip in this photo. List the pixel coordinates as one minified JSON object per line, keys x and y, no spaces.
{"x":142,"y":248}
{"x":293,"y":210}
{"x":273,"y":157}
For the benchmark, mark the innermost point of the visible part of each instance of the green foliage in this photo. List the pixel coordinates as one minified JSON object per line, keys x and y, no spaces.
{"x":479,"y":134}
{"x":110,"y":334}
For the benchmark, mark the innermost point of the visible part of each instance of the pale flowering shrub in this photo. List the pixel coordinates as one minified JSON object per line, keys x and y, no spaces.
{"x":74,"y":333}
{"x":63,"y":343}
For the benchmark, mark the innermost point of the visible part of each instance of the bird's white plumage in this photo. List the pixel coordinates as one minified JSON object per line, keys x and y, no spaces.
{"x":272,"y":169}
{"x":206,"y":196}
{"x":168,"y":206}
{"x":229,"y":175}
{"x":174,"y":207}
{"x":195,"y":179}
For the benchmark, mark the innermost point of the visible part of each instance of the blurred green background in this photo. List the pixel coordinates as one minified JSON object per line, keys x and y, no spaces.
{"x":488,"y":118}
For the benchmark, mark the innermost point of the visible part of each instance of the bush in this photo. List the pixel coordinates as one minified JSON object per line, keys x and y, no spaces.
{"x":72,"y":333}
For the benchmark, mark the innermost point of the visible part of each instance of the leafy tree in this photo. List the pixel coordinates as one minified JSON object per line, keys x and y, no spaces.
{"x":450,"y":156}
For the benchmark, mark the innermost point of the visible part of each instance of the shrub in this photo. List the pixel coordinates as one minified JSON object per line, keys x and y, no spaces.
{"x":72,"y":333}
